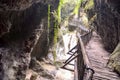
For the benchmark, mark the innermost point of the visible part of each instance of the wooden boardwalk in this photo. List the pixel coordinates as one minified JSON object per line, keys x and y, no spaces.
{"x":98,"y":57}
{"x":90,"y":60}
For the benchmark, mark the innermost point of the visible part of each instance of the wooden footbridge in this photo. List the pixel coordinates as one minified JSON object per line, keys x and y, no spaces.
{"x":89,"y":62}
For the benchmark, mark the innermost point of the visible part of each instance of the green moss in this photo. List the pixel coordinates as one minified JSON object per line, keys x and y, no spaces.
{"x":48,"y":22}
{"x":55,"y":39}
{"x":58,"y":19}
{"x":117,"y":68}
{"x":76,"y":9}
{"x":114,"y":61}
{"x":67,"y":8}
{"x":48,"y":16}
{"x":59,"y":10}
{"x":89,"y":5}
{"x":55,"y":33}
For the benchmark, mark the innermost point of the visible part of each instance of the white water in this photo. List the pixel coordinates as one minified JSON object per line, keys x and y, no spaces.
{"x":69,"y":41}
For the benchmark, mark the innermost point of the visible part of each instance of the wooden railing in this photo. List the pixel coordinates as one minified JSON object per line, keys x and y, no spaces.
{"x":82,"y":67}
{"x":86,"y":71}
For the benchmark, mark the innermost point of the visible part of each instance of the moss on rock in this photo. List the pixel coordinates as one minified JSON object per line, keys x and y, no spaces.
{"x":114,"y":61}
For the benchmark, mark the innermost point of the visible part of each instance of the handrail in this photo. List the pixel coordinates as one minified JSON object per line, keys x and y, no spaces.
{"x":87,"y":63}
{"x":71,"y":58}
{"x":82,"y":68}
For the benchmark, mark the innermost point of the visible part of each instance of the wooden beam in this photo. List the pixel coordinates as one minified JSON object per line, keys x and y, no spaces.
{"x":70,"y":57}
{"x":70,"y":60}
{"x":87,"y":63}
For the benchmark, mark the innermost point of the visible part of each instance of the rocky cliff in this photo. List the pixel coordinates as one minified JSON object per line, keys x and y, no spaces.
{"x":22,"y":23}
{"x":108,"y":27}
{"x":107,"y":22}
{"x":104,"y":15}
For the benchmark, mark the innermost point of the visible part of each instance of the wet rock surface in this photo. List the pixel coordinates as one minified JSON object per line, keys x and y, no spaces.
{"x":108,"y":27}
{"x":107,"y":22}
{"x":21,"y":26}
{"x":114,"y":61}
{"x":24,"y":4}
{"x":45,"y":70}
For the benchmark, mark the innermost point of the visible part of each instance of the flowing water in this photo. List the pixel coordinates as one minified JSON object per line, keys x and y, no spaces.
{"x":69,"y":40}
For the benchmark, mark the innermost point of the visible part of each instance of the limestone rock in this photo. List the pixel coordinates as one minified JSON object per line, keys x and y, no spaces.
{"x":114,"y":61}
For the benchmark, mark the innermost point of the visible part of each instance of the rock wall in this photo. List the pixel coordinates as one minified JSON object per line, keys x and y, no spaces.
{"x":21,"y":25}
{"x":107,"y":22}
{"x":107,"y":25}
